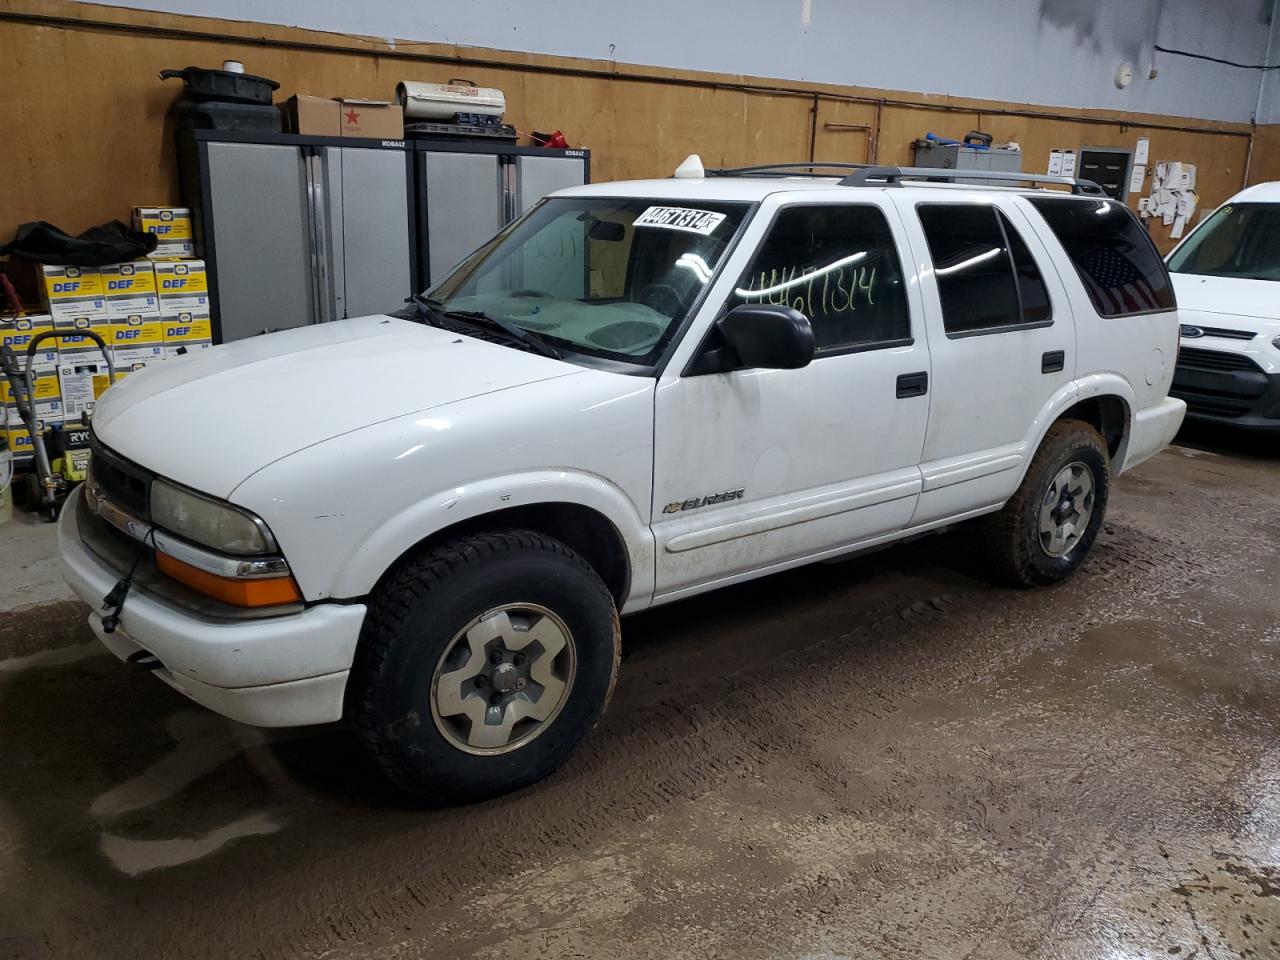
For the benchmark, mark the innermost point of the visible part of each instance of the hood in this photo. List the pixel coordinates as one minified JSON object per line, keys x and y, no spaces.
{"x":1228,"y":295}
{"x":210,"y":419}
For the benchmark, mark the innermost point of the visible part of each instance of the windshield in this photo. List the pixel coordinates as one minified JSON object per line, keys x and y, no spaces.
{"x":1239,"y":240}
{"x":606,"y":278}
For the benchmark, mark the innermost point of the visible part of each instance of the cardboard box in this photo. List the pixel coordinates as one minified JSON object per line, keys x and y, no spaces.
{"x":71,"y":341}
{"x":19,"y":442}
{"x":71,"y":291}
{"x":186,"y":333}
{"x":82,"y":380}
{"x":376,"y":119}
{"x":16,"y":333}
{"x":183,"y":286}
{"x":315,"y":116}
{"x":135,"y":343}
{"x":344,"y":117}
{"x":47,"y":402}
{"x":178,"y":250}
{"x":169,"y":224}
{"x":130,"y":289}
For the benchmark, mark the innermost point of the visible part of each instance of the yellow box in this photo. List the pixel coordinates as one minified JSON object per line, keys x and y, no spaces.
{"x":135,"y":343}
{"x":69,"y":283}
{"x":187,"y":333}
{"x":183,"y":286}
{"x":130,"y":289}
{"x":46,"y":388}
{"x":71,"y":340}
{"x":16,"y":333}
{"x":167,"y":223}
{"x":19,"y":442}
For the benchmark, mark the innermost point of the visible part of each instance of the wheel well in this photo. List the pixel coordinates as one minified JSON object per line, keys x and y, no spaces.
{"x":1108,"y":415}
{"x":589,"y":534}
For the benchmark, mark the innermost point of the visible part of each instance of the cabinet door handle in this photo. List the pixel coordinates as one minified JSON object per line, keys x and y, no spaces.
{"x":913,"y":384}
{"x":1053,"y":361}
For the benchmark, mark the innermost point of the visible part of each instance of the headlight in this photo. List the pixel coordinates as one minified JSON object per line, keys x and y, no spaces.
{"x":1276,"y":343}
{"x":211,"y":523}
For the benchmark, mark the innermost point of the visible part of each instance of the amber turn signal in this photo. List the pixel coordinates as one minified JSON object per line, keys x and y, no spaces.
{"x":261,"y":592}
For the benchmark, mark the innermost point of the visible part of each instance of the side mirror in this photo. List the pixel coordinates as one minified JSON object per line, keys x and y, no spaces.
{"x":767,"y":337}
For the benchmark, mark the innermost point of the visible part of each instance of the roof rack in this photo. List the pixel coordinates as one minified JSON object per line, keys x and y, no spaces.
{"x":773,"y":169}
{"x":870,"y":176}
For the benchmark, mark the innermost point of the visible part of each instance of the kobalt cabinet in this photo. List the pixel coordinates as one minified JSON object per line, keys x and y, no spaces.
{"x":301,"y":229}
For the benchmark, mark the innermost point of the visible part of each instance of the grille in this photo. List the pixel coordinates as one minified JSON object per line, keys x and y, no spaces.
{"x":1213,"y":406}
{"x":125,"y":484}
{"x":1226,"y":334}
{"x":1195,"y":358}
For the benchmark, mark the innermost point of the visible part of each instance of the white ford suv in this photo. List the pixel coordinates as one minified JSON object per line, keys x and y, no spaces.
{"x":428,"y":523}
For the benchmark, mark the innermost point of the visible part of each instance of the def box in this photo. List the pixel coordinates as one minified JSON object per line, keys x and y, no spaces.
{"x":183,"y":286}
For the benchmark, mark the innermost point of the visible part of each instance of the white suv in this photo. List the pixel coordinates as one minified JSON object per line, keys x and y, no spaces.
{"x":1226,"y":273}
{"x":428,"y":523}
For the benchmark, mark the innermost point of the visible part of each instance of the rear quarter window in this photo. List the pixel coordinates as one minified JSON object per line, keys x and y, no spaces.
{"x":1120,"y":267}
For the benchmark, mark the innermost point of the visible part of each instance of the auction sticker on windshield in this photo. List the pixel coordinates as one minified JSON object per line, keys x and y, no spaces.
{"x":681,"y":218}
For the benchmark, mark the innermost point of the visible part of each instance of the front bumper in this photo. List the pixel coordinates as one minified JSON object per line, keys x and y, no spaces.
{"x":1245,"y":398}
{"x":271,"y":672}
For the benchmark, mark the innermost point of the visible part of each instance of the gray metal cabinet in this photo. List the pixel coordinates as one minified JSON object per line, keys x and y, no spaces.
{"x":300,"y":229}
{"x":464,"y":205}
{"x":367,"y":208}
{"x":258,"y":220}
{"x":469,"y":190}
{"x":297,"y":230}
{"x":538,"y":176}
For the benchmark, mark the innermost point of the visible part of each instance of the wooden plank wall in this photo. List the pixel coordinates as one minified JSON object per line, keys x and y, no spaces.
{"x":86,"y":136}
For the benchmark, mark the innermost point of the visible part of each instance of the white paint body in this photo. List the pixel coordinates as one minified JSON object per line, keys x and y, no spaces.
{"x":1231,"y":302}
{"x":358,"y":439}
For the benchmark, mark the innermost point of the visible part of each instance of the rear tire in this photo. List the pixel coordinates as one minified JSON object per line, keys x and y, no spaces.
{"x":1047,"y":528}
{"x":482,"y":664}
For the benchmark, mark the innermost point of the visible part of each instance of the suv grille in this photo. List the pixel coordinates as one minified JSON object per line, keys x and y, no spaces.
{"x":1221,"y":332}
{"x":1195,"y":358}
{"x":125,"y":484}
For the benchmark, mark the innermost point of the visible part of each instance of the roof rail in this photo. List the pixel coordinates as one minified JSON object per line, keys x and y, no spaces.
{"x":893,"y":177}
{"x":772,"y":169}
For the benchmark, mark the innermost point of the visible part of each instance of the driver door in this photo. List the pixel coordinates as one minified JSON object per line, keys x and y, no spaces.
{"x":756,"y":470}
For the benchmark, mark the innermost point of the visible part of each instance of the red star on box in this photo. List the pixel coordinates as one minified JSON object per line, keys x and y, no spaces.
{"x":353,"y":117}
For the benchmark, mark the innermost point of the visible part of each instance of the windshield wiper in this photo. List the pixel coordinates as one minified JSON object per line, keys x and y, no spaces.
{"x":433,"y":310}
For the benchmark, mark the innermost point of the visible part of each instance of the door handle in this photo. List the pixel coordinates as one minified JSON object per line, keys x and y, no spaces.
{"x":1053,"y":361}
{"x":913,"y":384}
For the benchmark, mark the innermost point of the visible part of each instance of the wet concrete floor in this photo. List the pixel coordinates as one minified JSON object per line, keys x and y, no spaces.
{"x":886,"y":757}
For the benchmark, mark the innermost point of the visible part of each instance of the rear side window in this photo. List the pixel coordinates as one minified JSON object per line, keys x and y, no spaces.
{"x":837,"y":265}
{"x":987,"y":279}
{"x":1117,"y":262}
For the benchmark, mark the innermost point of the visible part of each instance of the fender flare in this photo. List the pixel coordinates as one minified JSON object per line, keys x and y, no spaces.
{"x":1067,"y":396}
{"x":399,"y":533}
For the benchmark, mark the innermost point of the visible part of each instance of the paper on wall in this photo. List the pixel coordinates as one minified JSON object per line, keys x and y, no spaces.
{"x":1144,"y":208}
{"x":1136,"y":178}
{"x":1141,"y":152}
{"x":1179,"y":224}
{"x":1069,"y":163}
{"x":1055,"y":163}
{"x":1167,"y":215}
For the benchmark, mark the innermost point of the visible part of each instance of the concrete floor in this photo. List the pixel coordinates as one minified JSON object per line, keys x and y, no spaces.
{"x":881,"y":758}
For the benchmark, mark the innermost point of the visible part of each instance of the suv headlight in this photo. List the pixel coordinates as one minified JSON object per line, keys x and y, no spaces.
{"x":1276,"y":343}
{"x":211,"y":523}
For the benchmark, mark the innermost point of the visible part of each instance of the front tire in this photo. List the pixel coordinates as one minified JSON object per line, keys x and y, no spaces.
{"x":482,"y":664}
{"x":1047,"y":528}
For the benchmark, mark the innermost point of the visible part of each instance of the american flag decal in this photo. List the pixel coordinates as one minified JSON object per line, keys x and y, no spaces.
{"x":1116,"y":284}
